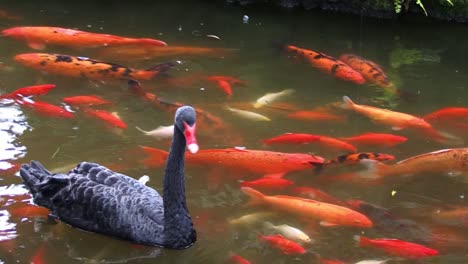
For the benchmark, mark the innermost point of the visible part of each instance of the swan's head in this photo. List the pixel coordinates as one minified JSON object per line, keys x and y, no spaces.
{"x":185,"y":121}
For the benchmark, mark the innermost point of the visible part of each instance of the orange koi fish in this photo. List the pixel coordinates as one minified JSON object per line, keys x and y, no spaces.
{"x":354,"y":158}
{"x":107,"y":117}
{"x":376,"y":140}
{"x":285,"y":245}
{"x":292,"y":138}
{"x":336,"y":144}
{"x":36,"y":90}
{"x":369,"y":70}
{"x":135,"y":52}
{"x":7,"y":15}
{"x":314,"y":116}
{"x":453,"y":161}
{"x":39,"y":255}
{"x":456,"y":216}
{"x":328,"y":214}
{"x":268,"y":183}
{"x":254,"y":161}
{"x":38,"y":37}
{"x":85,"y":100}
{"x":79,"y":67}
{"x":394,"y":119}
{"x":397,"y":247}
{"x":316,"y":194}
{"x":46,"y":109}
{"x":329,"y":65}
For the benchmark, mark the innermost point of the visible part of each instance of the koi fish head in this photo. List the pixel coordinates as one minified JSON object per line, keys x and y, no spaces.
{"x":29,"y":59}
{"x":12,"y":32}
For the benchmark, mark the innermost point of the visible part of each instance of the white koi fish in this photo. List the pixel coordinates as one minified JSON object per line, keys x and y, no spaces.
{"x":271,"y":97}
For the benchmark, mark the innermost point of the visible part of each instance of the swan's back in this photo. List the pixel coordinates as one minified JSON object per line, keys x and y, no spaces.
{"x":94,"y":198}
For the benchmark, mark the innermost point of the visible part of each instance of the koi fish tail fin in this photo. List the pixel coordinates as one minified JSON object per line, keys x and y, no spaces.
{"x":135,"y":87}
{"x":256,"y":197}
{"x":156,"y":70}
{"x":362,"y":241}
{"x":152,"y":42}
{"x":375,"y":169}
{"x":347,"y":103}
{"x":157,"y":158}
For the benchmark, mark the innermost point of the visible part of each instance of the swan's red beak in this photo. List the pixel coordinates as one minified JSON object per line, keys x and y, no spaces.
{"x":189,"y":134}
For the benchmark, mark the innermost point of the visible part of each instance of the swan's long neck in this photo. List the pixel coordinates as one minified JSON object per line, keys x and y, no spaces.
{"x":178,"y":225}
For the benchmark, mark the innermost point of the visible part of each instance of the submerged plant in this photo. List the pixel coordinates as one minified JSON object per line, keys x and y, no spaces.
{"x":399,"y":3}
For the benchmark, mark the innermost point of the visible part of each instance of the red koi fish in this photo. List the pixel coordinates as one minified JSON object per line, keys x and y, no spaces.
{"x":79,"y":67}
{"x":448,"y":114}
{"x":85,"y":100}
{"x":268,"y":183}
{"x":336,"y":144}
{"x":370,"y":71}
{"x":254,"y":161}
{"x":329,"y":65}
{"x":328,"y":214}
{"x":46,"y":109}
{"x":376,"y":140}
{"x":292,"y":138}
{"x":316,"y":194}
{"x":36,"y":90}
{"x":225,"y":82}
{"x":28,"y":210}
{"x":285,"y":245}
{"x":39,"y":255}
{"x":109,"y":118}
{"x":354,"y":158}
{"x":314,"y":116}
{"x":237,"y":259}
{"x":397,"y":247}
{"x":38,"y":37}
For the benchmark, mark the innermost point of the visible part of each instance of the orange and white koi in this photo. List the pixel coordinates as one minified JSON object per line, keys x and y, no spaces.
{"x":396,"y":120}
{"x":80,"y":67}
{"x":39,"y":37}
{"x":329,"y":65}
{"x":328,"y":214}
{"x":289,"y":232}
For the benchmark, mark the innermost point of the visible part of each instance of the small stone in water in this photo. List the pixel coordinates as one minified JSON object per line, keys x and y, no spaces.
{"x":245,"y":19}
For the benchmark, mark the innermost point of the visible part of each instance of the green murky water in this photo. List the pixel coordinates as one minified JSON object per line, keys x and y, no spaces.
{"x":425,"y":59}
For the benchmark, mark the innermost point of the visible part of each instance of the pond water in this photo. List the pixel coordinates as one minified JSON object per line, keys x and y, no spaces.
{"x":425,"y":59}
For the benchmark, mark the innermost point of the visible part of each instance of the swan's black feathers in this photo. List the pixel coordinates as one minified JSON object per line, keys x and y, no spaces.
{"x":94,"y":198}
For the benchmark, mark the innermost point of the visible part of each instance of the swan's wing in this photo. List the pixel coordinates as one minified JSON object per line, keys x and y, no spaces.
{"x":94,"y":198}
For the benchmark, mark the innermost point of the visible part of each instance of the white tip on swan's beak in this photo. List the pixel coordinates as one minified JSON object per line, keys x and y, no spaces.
{"x":193,"y":148}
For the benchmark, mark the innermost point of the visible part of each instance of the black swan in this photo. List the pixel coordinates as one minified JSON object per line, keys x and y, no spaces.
{"x":94,"y":198}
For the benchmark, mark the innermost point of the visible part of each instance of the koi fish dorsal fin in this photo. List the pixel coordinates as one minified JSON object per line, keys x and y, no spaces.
{"x":347,"y":103}
{"x":256,"y":197}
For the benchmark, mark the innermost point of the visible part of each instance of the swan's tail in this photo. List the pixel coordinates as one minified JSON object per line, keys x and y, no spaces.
{"x":42,"y":183}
